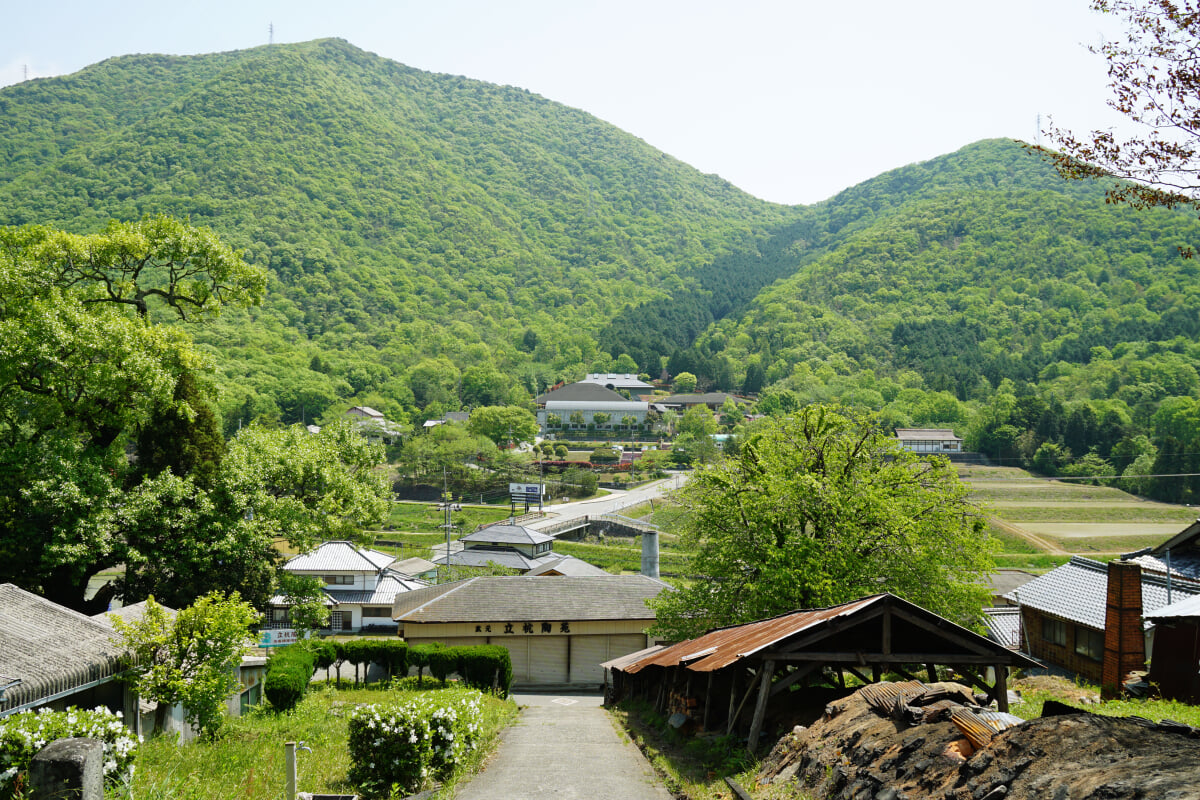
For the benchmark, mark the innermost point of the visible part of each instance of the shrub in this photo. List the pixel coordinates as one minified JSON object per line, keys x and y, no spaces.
{"x":605,"y":455}
{"x":324,"y":652}
{"x":398,"y":746}
{"x":444,"y":661}
{"x":418,"y":656}
{"x":23,"y":735}
{"x":485,"y":663}
{"x":289,"y":671}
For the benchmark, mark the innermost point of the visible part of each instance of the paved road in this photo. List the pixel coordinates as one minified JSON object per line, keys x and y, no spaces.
{"x":564,"y":747}
{"x":609,"y":503}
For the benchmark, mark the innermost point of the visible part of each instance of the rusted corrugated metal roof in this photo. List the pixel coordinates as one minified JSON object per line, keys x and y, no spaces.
{"x":722,"y":647}
{"x":620,"y":662}
{"x":887,"y":698}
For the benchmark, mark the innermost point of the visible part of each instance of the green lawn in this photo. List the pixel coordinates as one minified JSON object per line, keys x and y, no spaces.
{"x":247,"y":761}
{"x":428,"y":518}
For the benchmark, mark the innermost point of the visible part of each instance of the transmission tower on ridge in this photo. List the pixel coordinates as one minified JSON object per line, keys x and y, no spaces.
{"x":271,"y":33}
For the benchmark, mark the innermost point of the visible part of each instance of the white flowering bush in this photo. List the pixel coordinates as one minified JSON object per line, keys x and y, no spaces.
{"x":23,"y":735}
{"x":399,"y":746}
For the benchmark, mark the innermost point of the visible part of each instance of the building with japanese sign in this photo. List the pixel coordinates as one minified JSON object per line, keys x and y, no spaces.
{"x":557,"y":631}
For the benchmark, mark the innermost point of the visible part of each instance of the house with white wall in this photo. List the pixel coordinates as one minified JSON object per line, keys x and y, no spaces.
{"x":359,"y":585}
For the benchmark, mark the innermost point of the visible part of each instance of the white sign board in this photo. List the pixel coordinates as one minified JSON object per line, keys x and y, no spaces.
{"x":278,"y":637}
{"x":525,"y":489}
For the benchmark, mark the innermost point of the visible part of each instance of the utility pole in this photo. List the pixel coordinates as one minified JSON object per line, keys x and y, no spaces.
{"x":447,"y":507}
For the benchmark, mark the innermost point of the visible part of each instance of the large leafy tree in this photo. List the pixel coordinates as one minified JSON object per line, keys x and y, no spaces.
{"x":111,"y":454}
{"x":179,"y":539}
{"x":189,"y":657}
{"x":503,"y":424}
{"x":160,"y":259}
{"x":1155,"y":79}
{"x":820,"y":508}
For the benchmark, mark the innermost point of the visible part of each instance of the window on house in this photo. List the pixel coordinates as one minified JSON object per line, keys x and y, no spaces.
{"x":1054,"y":631}
{"x":1089,"y":643}
{"x":339,"y":580}
{"x":377,"y":611}
{"x":279,"y":615}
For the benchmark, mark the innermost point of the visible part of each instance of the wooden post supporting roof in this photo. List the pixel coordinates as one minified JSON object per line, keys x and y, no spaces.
{"x":760,"y":708}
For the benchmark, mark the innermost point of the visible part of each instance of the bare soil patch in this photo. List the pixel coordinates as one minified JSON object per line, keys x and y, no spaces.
{"x":854,"y":752}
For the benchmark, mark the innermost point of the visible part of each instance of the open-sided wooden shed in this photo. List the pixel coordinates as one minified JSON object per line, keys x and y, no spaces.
{"x":713,"y":677}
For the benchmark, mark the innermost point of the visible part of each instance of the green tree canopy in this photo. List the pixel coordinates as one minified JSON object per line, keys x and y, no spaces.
{"x":685,"y":382}
{"x":184,"y":267}
{"x":502,"y":424}
{"x":821,"y":508}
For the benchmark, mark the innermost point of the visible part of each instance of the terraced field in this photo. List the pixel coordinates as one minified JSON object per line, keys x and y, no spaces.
{"x":1041,"y":522}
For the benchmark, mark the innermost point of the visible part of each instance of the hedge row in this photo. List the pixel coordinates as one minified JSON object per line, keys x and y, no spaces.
{"x":481,"y":666}
{"x":290,"y":669}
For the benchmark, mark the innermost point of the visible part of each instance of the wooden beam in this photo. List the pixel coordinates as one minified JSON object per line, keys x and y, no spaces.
{"x":760,"y":708}
{"x":1001,"y":687}
{"x":799,"y":673}
{"x":931,"y":671}
{"x":849,"y":668}
{"x":834,"y":626}
{"x":732,"y":699}
{"x":954,"y":636}
{"x":707,"y":702}
{"x":733,"y":719}
{"x":904,"y":673}
{"x":886,"y":644}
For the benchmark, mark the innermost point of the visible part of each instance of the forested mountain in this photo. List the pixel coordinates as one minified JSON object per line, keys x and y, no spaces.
{"x":436,"y":242}
{"x":416,"y":225}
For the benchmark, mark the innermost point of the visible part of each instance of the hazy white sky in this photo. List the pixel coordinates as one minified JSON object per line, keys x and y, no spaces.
{"x":790,"y":100}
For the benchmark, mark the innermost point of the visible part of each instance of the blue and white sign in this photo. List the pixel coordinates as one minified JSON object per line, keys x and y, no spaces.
{"x":531,"y":490}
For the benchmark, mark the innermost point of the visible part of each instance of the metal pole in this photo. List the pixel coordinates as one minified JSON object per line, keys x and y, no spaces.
{"x":290,"y":751}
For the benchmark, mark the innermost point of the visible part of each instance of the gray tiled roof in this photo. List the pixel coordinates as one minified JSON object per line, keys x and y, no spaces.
{"x":585,"y":392}
{"x":522,"y":598}
{"x":412,"y":566}
{"x":49,"y":648}
{"x":507,"y":534}
{"x":1078,"y":591}
{"x":340,"y":556}
{"x":501,"y":556}
{"x":384,"y":593}
{"x":1187,"y":607}
{"x":1004,"y":625}
{"x":568,"y":565}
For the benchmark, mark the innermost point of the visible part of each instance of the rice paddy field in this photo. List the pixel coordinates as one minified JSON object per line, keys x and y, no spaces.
{"x":1040,"y":522}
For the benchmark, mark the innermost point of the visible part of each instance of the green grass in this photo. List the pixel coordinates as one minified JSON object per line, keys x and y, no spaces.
{"x":691,"y":766}
{"x":619,"y":555}
{"x":1008,"y":542}
{"x":1086,"y":545}
{"x":1031,"y":704}
{"x":1031,"y":562}
{"x":428,"y":518}
{"x":247,"y":761}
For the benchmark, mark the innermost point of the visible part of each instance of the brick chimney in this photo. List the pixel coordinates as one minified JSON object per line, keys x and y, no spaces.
{"x":1124,"y":637}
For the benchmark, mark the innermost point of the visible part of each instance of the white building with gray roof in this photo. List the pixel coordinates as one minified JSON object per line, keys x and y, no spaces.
{"x":358,"y":583}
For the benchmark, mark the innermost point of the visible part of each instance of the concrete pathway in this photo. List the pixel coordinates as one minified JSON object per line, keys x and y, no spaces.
{"x":565,"y":747}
